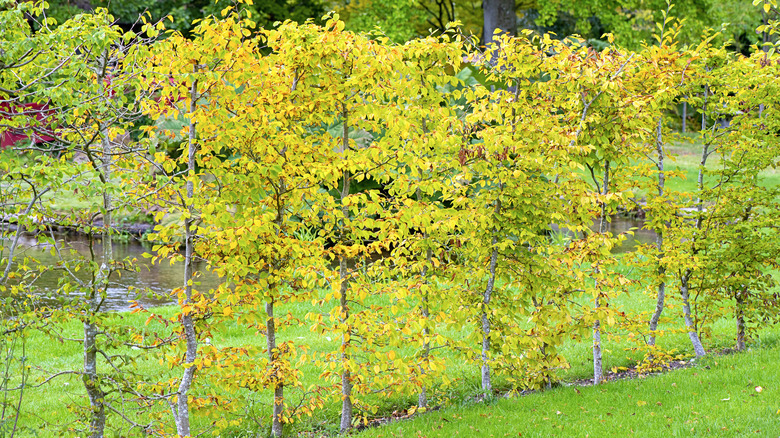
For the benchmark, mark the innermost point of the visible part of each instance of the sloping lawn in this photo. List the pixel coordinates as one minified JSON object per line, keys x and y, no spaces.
{"x":732,"y":396}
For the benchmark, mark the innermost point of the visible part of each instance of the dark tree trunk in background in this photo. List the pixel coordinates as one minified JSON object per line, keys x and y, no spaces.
{"x":498,"y":14}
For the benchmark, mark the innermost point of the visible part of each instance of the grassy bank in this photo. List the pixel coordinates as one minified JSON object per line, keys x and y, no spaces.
{"x":731,"y":396}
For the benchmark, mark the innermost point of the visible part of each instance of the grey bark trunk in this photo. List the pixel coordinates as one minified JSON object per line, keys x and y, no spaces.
{"x":498,"y":14}
{"x":277,"y":425}
{"x":685,"y":117}
{"x":598,"y":366}
{"x":277,"y":421}
{"x":741,"y":296}
{"x":685,"y":280}
{"x":704,"y":109}
{"x":91,"y":379}
{"x":97,"y":422}
{"x":422,"y":398}
{"x":659,"y":241}
{"x":182,"y":414}
{"x":698,"y":348}
{"x":487,"y":386}
{"x":346,"y":378}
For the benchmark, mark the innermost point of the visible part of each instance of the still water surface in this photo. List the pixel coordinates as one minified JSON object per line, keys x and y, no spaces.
{"x":152,"y":284}
{"x":149,"y":284}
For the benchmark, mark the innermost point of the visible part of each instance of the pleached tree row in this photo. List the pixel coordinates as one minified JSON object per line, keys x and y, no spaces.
{"x":431,"y":201}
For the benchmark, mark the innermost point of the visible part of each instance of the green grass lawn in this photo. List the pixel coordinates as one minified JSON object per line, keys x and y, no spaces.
{"x":732,"y":396}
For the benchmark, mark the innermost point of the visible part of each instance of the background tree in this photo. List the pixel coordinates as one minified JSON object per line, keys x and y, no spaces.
{"x":498,"y":15}
{"x":186,"y":12}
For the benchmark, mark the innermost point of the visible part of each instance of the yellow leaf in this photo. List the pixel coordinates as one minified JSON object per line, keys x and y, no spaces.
{"x":641,"y":403}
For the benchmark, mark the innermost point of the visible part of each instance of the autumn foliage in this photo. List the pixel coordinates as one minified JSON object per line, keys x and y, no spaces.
{"x":430,"y":199}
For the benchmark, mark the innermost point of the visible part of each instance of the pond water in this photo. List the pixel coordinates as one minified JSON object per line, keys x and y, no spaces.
{"x":152,"y":284}
{"x":149,"y":284}
{"x":618,"y":225}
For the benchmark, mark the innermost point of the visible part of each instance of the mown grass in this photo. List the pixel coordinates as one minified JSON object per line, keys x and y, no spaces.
{"x":732,"y":396}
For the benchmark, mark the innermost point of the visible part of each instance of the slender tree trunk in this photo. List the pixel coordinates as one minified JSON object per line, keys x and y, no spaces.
{"x":598,"y":366}
{"x":277,"y":423}
{"x":487,"y":387}
{"x":273,"y":357}
{"x":740,"y":298}
{"x":91,"y":379}
{"x":182,"y":414}
{"x":698,"y":348}
{"x":685,"y":280}
{"x":422,"y":398}
{"x":659,"y":241}
{"x":704,"y":109}
{"x":684,"y":117}
{"x":346,"y":377}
